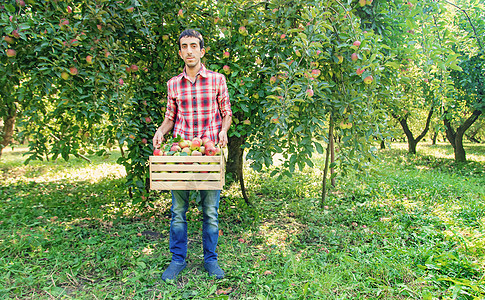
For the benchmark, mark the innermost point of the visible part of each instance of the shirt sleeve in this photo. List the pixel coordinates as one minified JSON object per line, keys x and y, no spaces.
{"x":171,"y":103}
{"x":223,"y":98}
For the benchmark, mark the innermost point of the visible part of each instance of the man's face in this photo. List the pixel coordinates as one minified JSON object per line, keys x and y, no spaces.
{"x":190,"y":51}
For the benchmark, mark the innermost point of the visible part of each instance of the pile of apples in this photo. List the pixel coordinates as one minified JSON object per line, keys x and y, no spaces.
{"x":195,"y":147}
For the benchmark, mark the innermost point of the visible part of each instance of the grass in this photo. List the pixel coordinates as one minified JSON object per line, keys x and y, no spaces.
{"x":414,"y":228}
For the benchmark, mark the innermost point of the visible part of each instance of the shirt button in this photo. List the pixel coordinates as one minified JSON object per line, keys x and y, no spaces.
{"x":193,"y":98}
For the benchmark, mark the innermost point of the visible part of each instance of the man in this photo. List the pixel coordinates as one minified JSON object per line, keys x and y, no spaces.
{"x":198,"y":106}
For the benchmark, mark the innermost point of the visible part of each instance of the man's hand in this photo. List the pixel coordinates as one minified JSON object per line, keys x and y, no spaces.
{"x":223,"y":138}
{"x":158,"y":139}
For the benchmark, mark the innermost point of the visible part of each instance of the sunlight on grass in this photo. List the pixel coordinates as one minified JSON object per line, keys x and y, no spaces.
{"x":474,"y":152}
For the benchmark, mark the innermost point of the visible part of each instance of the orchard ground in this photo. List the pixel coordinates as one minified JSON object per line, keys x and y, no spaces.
{"x":413,"y":228}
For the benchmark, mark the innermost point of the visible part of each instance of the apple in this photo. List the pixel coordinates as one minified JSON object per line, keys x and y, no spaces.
{"x":226,"y":54}
{"x":340,"y":58}
{"x":69,"y":10}
{"x":210,"y":151}
{"x":196,"y":153}
{"x":130,"y":9}
{"x":89,"y":59}
{"x":144,"y":141}
{"x":368,"y":79}
{"x":73,"y":70}
{"x":356,"y":44}
{"x":368,"y":2}
{"x":205,"y":140}
{"x":65,"y":75}
{"x":148,"y":119}
{"x":218,"y":150}
{"x":272,"y":80}
{"x":121,"y":82}
{"x":209,"y":144}
{"x":21,"y":3}
{"x":16,"y":33}
{"x":99,"y":27}
{"x":316,"y":73}
{"x":283,"y":36}
{"x":202,"y":149}
{"x":181,"y":13}
{"x":258,"y":61}
{"x":165,"y":37}
{"x":362,"y":2}
{"x":243,"y":30}
{"x":184,"y":144}
{"x":157,"y":152}
{"x":226,"y":69}
{"x":310,"y":92}
{"x":8,"y":39}
{"x":74,"y":42}
{"x":195,"y":143}
{"x":11,"y":52}
{"x":216,"y":19}
{"x":63,"y":23}
{"x":175,"y":148}
{"x":360,"y":71}
{"x":186,"y":150}
{"x":354,"y":56}
{"x":134,"y":68}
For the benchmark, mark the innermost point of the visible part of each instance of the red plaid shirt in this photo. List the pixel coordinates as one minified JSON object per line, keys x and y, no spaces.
{"x":198,"y":108}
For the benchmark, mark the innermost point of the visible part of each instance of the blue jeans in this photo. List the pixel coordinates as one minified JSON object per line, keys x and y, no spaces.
{"x":210,"y":226}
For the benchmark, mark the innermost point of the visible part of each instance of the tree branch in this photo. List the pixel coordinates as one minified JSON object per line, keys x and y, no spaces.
{"x":469,"y":21}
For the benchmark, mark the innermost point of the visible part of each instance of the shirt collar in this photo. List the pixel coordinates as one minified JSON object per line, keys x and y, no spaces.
{"x":202,"y":72}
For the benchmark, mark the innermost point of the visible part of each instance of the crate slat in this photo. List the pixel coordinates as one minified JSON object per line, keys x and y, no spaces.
{"x":187,"y":185}
{"x":188,"y":168}
{"x":186,"y":176}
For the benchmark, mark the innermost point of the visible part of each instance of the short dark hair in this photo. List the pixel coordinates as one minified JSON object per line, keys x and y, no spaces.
{"x":192,"y":33}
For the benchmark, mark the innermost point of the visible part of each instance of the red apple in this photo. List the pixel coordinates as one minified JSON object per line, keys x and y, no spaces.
{"x":210,"y":151}
{"x":354,"y":56}
{"x":16,"y":33}
{"x":148,"y":119}
{"x":157,"y":152}
{"x":144,"y":141}
{"x":368,"y":79}
{"x":196,"y":153}
{"x":8,"y":39}
{"x":89,"y":59}
{"x":130,"y":9}
{"x":226,"y":69}
{"x":186,"y":150}
{"x":175,"y":148}
{"x":209,"y":144}
{"x":362,"y":2}
{"x":356,"y":44}
{"x":310,"y":92}
{"x":11,"y":52}
{"x":226,"y":54}
{"x":205,"y":140}
{"x":360,"y":71}
{"x":195,"y":143}
{"x":134,"y":68}
{"x":73,"y":70}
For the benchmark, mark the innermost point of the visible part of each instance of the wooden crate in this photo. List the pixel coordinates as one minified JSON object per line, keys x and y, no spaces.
{"x":187,"y":172}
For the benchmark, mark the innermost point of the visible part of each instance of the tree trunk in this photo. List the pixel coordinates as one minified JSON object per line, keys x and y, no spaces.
{"x":456,"y":137}
{"x":8,"y":128}
{"x":327,"y":158}
{"x":383,"y":145}
{"x":413,"y":142}
{"x":235,"y":163}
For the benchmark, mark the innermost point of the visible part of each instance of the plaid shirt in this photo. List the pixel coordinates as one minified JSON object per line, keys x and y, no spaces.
{"x":198,"y":108}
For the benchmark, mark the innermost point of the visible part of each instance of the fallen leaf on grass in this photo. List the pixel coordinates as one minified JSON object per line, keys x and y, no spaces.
{"x":224,"y":291}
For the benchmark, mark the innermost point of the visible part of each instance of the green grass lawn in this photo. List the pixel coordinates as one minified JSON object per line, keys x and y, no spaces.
{"x":413,"y":228}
